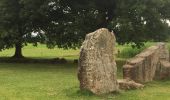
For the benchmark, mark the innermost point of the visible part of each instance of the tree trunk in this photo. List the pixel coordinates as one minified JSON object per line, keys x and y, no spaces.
{"x":18,"y":51}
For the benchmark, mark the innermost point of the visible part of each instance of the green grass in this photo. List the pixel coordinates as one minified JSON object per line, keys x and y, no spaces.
{"x":28,"y":81}
{"x":41,"y":82}
{"x":42,"y":52}
{"x":126,"y":51}
{"x":59,"y":82}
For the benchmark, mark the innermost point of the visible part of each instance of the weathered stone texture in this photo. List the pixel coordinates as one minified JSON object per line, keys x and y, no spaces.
{"x":97,"y":67}
{"x":163,"y":70}
{"x":129,"y":84}
{"x":144,"y":66}
{"x":164,"y":52}
{"x":133,"y":69}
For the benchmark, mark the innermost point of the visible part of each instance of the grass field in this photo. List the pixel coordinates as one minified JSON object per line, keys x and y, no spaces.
{"x":42,"y":52}
{"x":29,"y":81}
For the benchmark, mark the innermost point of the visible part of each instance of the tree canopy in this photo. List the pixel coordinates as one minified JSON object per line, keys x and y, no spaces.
{"x":18,"y":19}
{"x":64,"y":23}
{"x":132,"y":21}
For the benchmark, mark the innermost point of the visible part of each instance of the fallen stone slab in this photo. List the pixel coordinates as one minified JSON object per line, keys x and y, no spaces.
{"x":125,"y":84}
{"x":163,"y":51}
{"x":163,"y":70}
{"x":133,"y":70}
{"x":147,"y":65}
{"x":150,"y":60}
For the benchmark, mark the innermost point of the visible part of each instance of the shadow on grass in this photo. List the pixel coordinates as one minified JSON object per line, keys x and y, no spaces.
{"x":156,"y":83}
{"x":75,"y":92}
{"x":62,"y":60}
{"x":152,"y":88}
{"x":34,"y":60}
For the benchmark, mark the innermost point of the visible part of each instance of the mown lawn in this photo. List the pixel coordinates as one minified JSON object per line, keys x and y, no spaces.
{"x":41,"y":52}
{"x":28,"y":81}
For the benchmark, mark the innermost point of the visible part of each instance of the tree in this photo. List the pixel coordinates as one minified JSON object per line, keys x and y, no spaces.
{"x":140,"y":21}
{"x":64,"y":23}
{"x":132,"y":21}
{"x":18,"y":19}
{"x":79,"y":18}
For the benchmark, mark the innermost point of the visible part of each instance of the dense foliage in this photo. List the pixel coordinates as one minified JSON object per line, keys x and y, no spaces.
{"x":66,"y":22}
{"x":18,"y":19}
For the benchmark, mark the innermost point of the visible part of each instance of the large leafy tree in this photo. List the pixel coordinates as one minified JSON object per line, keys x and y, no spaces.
{"x":141,"y":20}
{"x":66,"y":22}
{"x":18,"y":20}
{"x":133,"y":21}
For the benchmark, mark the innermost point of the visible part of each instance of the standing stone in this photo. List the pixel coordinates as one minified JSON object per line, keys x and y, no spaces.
{"x":97,"y":67}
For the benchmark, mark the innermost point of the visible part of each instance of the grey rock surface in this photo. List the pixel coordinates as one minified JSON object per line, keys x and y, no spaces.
{"x":97,"y":67}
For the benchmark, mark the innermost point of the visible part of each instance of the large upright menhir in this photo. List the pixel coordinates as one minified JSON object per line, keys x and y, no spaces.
{"x":97,"y":67}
